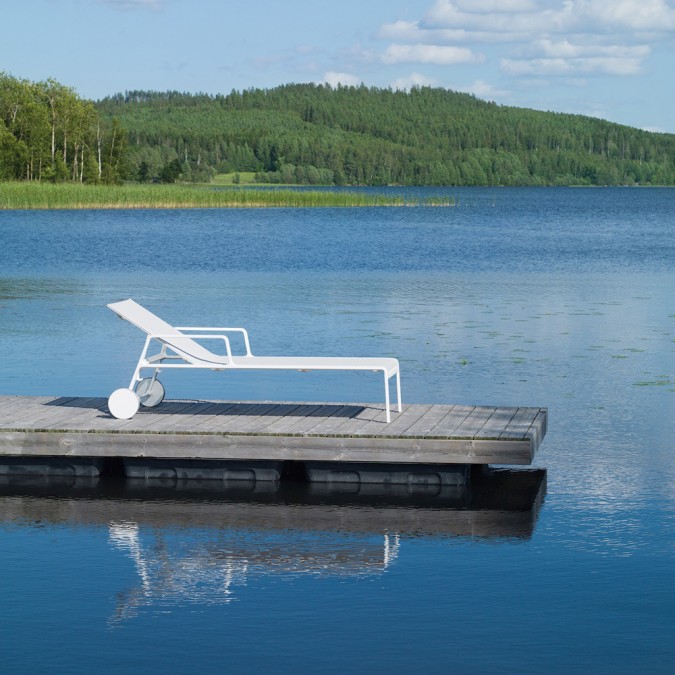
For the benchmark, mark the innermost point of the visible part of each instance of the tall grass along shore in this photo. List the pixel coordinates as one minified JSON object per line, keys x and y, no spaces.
{"x":27,"y":195}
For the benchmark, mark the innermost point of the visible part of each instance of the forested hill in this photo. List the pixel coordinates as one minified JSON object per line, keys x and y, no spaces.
{"x":309,"y":133}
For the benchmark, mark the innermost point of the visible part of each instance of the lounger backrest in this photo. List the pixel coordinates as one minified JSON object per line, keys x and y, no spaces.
{"x":151,"y":324}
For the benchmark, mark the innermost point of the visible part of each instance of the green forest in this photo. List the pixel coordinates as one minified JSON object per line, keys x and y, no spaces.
{"x":316,"y":134}
{"x":49,"y":133}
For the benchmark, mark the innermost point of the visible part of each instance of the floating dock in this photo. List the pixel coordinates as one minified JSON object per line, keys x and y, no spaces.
{"x":338,"y":442}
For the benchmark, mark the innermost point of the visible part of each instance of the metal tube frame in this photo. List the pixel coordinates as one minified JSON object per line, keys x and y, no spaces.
{"x":157,"y":362}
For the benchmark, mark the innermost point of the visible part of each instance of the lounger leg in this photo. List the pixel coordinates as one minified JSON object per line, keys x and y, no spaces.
{"x":136,"y":377}
{"x":398,"y":391}
{"x":386,"y":397}
{"x":141,"y":361}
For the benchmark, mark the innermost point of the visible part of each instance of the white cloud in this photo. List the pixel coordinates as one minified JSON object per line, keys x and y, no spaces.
{"x":446,"y":14}
{"x":636,"y":15}
{"x":413,"y":80}
{"x":497,"y":5}
{"x":133,"y":4}
{"x":567,"y":49}
{"x":406,"y":31}
{"x":546,"y":57}
{"x":485,"y":90}
{"x":553,"y":17}
{"x":345,"y":79}
{"x":539,"y":37}
{"x":421,"y":53}
{"x":571,"y":66}
{"x":413,"y":32}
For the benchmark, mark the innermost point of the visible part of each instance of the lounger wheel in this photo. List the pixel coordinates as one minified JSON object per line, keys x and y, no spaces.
{"x":150,"y":392}
{"x":123,"y":404}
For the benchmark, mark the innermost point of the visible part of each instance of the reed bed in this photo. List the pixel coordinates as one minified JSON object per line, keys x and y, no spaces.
{"x":25,"y":195}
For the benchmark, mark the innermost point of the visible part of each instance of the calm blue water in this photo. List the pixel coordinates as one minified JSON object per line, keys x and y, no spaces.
{"x":550,"y":297}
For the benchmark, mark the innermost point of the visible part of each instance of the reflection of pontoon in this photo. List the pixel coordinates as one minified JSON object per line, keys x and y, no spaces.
{"x":198,"y":544}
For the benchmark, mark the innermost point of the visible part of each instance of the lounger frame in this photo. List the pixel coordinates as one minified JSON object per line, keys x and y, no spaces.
{"x":178,"y":348}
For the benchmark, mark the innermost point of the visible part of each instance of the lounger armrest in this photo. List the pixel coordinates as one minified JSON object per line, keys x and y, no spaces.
{"x":243,"y":331}
{"x":167,"y":337}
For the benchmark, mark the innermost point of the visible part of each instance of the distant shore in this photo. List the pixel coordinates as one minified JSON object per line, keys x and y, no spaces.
{"x":33,"y":195}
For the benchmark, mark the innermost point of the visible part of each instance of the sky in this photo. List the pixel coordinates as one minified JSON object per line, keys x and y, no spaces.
{"x":613,"y":59}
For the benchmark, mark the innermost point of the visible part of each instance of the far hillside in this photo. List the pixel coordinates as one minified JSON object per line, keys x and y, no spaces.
{"x":316,"y":134}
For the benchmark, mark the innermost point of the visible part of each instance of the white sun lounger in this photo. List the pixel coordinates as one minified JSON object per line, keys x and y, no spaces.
{"x":178,"y":348}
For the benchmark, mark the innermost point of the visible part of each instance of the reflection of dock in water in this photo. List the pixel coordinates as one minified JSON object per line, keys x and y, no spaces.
{"x":504,"y":503}
{"x":190,"y":542}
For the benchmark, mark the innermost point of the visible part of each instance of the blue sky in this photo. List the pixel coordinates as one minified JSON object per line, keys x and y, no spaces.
{"x":613,"y":59}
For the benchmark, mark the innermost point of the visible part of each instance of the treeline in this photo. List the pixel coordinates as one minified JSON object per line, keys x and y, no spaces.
{"x":49,"y":133}
{"x":306,"y":133}
{"x":315,"y":134}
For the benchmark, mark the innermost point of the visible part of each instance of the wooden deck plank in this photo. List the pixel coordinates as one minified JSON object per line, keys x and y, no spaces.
{"x":9,"y":404}
{"x":400,"y":422}
{"x":497,"y":422}
{"x":95,"y":416}
{"x":157,"y":419}
{"x":428,"y":421}
{"x":198,"y":412}
{"x":252,"y":417}
{"x":259,"y":417}
{"x":339,"y":426}
{"x":288,"y":424}
{"x":47,"y":412}
{"x":332,"y":415}
{"x":473,"y":423}
{"x":227,"y":418}
{"x":91,"y":419}
{"x":202,"y":420}
{"x":85,"y":416}
{"x":537,"y":429}
{"x":446,"y":427}
{"x":520,"y":423}
{"x":14,"y":412}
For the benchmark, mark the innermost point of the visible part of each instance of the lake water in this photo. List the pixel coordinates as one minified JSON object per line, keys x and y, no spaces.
{"x":547,"y":297}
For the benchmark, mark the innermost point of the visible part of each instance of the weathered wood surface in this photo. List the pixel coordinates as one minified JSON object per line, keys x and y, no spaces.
{"x":63,"y":426}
